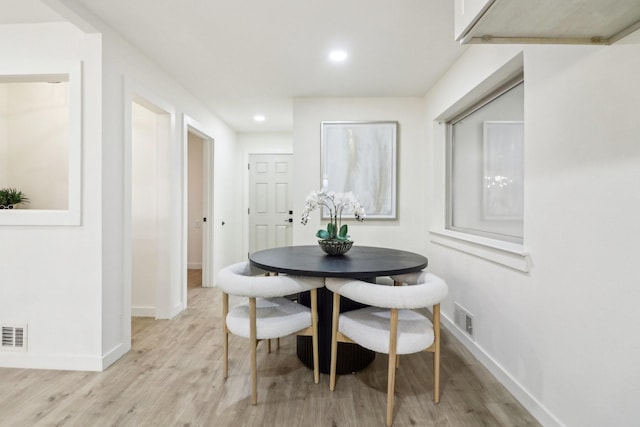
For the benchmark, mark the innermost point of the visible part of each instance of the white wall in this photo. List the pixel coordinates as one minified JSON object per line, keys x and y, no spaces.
{"x":128,"y":73}
{"x":409,"y":230}
{"x":72,"y":285}
{"x":51,"y":276}
{"x":564,"y":333}
{"x":263,"y":143}
{"x":563,"y":337}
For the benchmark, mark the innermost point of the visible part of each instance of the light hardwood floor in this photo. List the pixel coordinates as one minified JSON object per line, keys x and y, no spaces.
{"x":172,"y":377}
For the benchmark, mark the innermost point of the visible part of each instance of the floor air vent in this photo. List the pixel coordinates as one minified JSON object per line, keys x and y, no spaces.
{"x":14,"y":338}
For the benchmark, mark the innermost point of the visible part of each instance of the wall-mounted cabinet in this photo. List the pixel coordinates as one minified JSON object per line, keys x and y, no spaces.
{"x":545,"y":21}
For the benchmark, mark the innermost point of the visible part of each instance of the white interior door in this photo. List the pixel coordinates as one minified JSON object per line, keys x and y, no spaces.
{"x":270,"y":205}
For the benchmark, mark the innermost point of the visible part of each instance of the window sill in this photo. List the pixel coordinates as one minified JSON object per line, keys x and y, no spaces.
{"x":39,"y":217}
{"x":511,"y":255}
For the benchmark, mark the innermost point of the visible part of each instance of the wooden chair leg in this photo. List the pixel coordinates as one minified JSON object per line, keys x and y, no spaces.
{"x":436,"y":353}
{"x":397,"y":283}
{"x":225,"y":334}
{"x":314,"y":335}
{"x":269,"y":345}
{"x":334,"y":341}
{"x":391,"y":379}
{"x":253,"y":344}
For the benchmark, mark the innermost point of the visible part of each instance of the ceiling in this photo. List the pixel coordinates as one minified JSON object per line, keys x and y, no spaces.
{"x":243,"y":58}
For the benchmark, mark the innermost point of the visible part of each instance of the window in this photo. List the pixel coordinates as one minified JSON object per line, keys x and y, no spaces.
{"x":34,"y":140}
{"x":486,"y":166}
{"x":40,"y":142}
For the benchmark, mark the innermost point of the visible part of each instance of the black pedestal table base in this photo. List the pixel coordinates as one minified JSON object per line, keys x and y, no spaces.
{"x":351,"y":357}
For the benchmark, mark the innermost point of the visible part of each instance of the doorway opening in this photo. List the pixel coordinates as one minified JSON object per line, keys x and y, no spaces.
{"x":156,"y":207}
{"x":198,"y":215}
{"x":195,"y":208}
{"x":150,"y":210}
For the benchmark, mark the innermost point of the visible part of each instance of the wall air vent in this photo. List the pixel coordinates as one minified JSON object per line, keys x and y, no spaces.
{"x":464,"y":320}
{"x":14,"y":338}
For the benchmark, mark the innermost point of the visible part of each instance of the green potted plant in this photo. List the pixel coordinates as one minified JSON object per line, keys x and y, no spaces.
{"x":9,"y":197}
{"x":334,"y":240}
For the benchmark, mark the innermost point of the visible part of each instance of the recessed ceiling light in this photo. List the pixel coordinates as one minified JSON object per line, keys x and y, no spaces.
{"x":338,"y":55}
{"x":259,"y":118}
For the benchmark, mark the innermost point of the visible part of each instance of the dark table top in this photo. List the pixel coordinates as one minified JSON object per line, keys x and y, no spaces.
{"x":359,"y":262}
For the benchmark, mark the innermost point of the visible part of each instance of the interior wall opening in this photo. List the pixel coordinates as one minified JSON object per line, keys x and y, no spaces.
{"x":150,"y":211}
{"x":195,"y":208}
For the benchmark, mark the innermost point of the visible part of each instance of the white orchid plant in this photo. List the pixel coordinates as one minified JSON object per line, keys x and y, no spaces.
{"x":336,"y":204}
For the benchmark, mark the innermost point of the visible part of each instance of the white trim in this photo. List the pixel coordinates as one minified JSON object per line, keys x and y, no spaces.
{"x":191,"y":125}
{"x":177,"y":309}
{"x":531,"y":404}
{"x":78,"y":16}
{"x":63,"y":362}
{"x":115,"y":354}
{"x":127,"y":203}
{"x":194,"y":266}
{"x":143,"y":311}
{"x":512,"y":255}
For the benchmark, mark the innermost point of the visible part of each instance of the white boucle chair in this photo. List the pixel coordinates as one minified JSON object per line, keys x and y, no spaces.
{"x":265,"y":314}
{"x":390,"y":325}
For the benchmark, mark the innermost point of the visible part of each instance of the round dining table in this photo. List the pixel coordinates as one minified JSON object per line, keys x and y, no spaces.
{"x":361,"y":262}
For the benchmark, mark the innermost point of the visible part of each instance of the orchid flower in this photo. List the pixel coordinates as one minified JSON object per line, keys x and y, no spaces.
{"x":336,"y":203}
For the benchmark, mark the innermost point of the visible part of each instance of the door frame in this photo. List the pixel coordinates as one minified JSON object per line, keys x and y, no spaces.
{"x":190,"y":125}
{"x":166,"y":306}
{"x":175,"y":298}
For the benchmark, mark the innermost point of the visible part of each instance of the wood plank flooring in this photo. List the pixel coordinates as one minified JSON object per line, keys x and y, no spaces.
{"x":173,"y":377}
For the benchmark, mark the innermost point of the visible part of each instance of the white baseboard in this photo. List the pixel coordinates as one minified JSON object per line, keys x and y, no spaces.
{"x":142,"y":311}
{"x":63,"y":362}
{"x":115,"y":354}
{"x":177,"y":309}
{"x":60,"y":362}
{"x":194,"y":265}
{"x":539,"y":411}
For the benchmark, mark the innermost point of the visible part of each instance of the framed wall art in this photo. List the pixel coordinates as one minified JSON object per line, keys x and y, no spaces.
{"x":361,"y":157}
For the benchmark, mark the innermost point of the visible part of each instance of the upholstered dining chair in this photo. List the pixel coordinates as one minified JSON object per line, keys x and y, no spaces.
{"x":390,"y":325}
{"x":265,"y":314}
